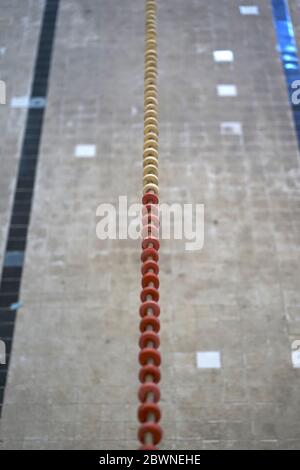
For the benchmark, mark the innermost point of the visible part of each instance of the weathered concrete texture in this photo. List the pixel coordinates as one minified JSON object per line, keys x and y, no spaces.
{"x":73,"y":374}
{"x":19,"y":29}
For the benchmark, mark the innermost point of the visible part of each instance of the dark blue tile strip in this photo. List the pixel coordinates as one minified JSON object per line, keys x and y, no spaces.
{"x":288,"y":52}
{"x":20,"y":217}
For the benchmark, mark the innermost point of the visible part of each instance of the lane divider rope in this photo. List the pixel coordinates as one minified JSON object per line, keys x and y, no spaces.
{"x":149,"y":414}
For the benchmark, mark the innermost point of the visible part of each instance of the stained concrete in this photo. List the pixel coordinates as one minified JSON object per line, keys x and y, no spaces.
{"x":73,"y":373}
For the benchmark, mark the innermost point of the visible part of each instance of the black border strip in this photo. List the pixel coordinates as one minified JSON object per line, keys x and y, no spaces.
{"x":23,"y":196}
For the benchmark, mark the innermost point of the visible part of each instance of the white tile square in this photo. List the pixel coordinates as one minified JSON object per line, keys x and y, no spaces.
{"x":226,"y":90}
{"x":20,"y":102}
{"x":208,"y":360}
{"x":85,"y":151}
{"x":2,"y":92}
{"x":249,"y":10}
{"x":27,"y":102}
{"x":231,"y":128}
{"x":223,"y":56}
